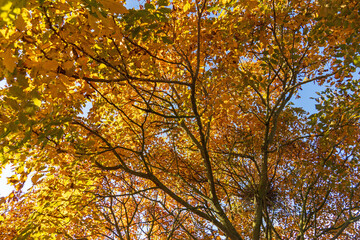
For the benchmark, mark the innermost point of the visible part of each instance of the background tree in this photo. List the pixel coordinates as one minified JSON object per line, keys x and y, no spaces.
{"x":175,"y":121}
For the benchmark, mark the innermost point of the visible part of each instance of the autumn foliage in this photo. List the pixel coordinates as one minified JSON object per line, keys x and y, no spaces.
{"x":174,"y":120}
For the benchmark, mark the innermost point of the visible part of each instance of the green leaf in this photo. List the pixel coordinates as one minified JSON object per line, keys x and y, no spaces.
{"x":149,"y":6}
{"x":16,"y":91}
{"x":135,"y":32}
{"x":12,"y":103}
{"x":318,"y":107}
{"x":163,"y":2}
{"x":165,"y":10}
{"x":357,"y":61}
{"x":167,"y":40}
{"x":214,"y":8}
{"x":22,"y":118}
{"x":21,"y":79}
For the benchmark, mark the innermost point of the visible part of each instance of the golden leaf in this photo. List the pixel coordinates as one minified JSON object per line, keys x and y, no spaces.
{"x":35,"y":178}
{"x":50,"y":65}
{"x":20,"y":23}
{"x":68,"y":65}
{"x":9,"y":60}
{"x":114,"y":6}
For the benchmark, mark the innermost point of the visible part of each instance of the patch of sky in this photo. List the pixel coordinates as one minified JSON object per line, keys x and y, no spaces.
{"x":2,"y":83}
{"x":307,"y":96}
{"x":5,"y":189}
{"x":311,"y":91}
{"x":6,"y":172}
{"x":134,"y":4}
{"x":85,"y":110}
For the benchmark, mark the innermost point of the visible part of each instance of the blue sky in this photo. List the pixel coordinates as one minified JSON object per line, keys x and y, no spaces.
{"x":308,"y":96}
{"x":133,"y":3}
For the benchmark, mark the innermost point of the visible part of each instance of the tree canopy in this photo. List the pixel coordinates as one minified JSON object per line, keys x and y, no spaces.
{"x":175,"y":120}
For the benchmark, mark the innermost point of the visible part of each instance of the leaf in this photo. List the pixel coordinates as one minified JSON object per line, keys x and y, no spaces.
{"x":357,"y":61}
{"x":214,"y":8}
{"x":167,"y":40}
{"x":36,"y":102}
{"x":135,"y":32}
{"x":50,"y":65}
{"x":165,"y":10}
{"x":5,"y":6}
{"x":20,"y":23}
{"x":9,"y":60}
{"x":12,"y":103}
{"x":22,"y":118}
{"x":149,"y":6}
{"x":68,"y":65}
{"x":35,"y":178}
{"x":67,"y":195}
{"x":163,"y":2}
{"x":187,"y":7}
{"x":114,"y":6}
{"x":13,"y":180}
{"x":24,"y":234}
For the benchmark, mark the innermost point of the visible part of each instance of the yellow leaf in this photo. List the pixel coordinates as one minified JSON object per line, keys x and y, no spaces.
{"x":102,"y":66}
{"x":7,"y":6}
{"x":187,"y":6}
{"x":37,"y":102}
{"x":67,"y":195}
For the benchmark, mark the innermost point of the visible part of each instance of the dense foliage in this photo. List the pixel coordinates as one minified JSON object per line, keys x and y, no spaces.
{"x":175,"y":120}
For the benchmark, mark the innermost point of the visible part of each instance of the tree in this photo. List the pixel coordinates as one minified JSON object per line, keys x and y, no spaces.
{"x":175,"y":121}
